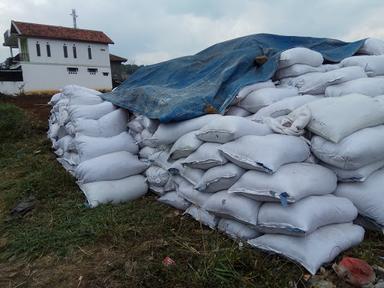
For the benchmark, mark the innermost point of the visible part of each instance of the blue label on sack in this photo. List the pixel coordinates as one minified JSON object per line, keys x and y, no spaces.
{"x":283,"y":199}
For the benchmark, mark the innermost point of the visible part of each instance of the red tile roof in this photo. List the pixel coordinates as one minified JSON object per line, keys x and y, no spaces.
{"x":59,"y":32}
{"x":115,"y":58}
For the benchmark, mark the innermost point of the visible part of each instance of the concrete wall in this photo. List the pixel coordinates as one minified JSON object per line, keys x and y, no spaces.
{"x":43,"y":77}
{"x":11,"y":88}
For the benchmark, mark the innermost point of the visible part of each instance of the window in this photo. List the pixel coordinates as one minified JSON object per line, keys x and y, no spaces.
{"x":74,"y":51}
{"x":105,"y":73}
{"x":89,"y":52}
{"x":65,"y":49}
{"x":48,"y":50}
{"x":72,"y":70}
{"x":92,"y":71}
{"x":38,"y":52}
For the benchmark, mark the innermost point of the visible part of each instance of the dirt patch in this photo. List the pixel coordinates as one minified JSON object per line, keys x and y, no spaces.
{"x":35,"y":104}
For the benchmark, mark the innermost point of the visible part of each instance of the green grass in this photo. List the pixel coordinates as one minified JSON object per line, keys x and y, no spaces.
{"x":114,"y":246}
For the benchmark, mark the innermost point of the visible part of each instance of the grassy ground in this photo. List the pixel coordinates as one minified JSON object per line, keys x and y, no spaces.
{"x":61,"y":243}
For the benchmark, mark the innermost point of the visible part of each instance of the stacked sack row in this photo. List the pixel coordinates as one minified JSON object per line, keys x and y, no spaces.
{"x":237,"y":174}
{"x":348,"y":130}
{"x":349,"y":141}
{"x":90,"y":138}
{"x":275,"y":164}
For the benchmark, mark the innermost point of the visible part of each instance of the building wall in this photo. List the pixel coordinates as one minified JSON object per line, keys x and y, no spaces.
{"x":43,"y":77}
{"x":100,"y":52}
{"x":43,"y":73}
{"x":11,"y":88}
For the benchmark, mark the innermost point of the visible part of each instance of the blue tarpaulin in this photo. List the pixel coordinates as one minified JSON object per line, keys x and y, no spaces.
{"x":207,"y":82}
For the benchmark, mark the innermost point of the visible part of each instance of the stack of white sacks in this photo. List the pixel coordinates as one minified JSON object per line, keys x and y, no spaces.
{"x":287,"y":169}
{"x":90,"y":138}
{"x":268,"y":172}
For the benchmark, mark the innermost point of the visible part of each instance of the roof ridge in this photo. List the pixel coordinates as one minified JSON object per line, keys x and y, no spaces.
{"x":66,"y":27}
{"x":60,"y":32}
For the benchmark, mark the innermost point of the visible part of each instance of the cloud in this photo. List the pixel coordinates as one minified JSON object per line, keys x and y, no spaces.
{"x":152,"y":31}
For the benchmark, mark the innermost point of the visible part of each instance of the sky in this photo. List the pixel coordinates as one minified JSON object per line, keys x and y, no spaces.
{"x":147,"y":32}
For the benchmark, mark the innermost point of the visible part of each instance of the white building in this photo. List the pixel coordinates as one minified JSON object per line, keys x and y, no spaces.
{"x":50,"y":57}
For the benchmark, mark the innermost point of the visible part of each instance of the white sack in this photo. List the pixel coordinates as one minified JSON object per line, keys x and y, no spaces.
{"x":149,"y":124}
{"x":356,"y":175}
{"x":147,"y":151}
{"x":290,"y":183}
{"x":336,"y":118}
{"x":78,"y":95}
{"x":316,"y":83}
{"x":109,"y":125}
{"x":265,"y":153}
{"x":237,"y":230}
{"x":90,"y":111}
{"x":55,"y":98}
{"x":330,"y":67}
{"x":205,"y":157}
{"x":219,"y":178}
{"x":266,"y":96}
{"x":157,"y":176}
{"x":71,"y":157}
{"x":110,"y":166}
{"x":372,"y":65}
{"x":372,"y":46}
{"x":306,"y":215}
{"x":366,"y":86}
{"x":115,"y":191}
{"x":64,"y":144}
{"x":160,"y":159}
{"x":229,"y":128}
{"x":253,"y":87}
{"x":292,"y":124}
{"x":318,"y":248}
{"x":53,"y":130}
{"x":135,"y":125}
{"x":90,"y":147}
{"x":173,"y":199}
{"x":185,"y":145}
{"x":202,"y":216}
{"x":62,"y":103}
{"x":186,"y":190}
{"x":70,"y":168}
{"x":366,"y":196}
{"x":300,"y":55}
{"x":192,"y":175}
{"x":237,"y":111}
{"x":162,"y":190}
{"x":354,"y":151}
{"x":145,"y":134}
{"x":169,"y":133}
{"x":62,"y":115}
{"x":296,"y":70}
{"x":226,"y":205}
{"x":75,"y":90}
{"x":282,"y":107}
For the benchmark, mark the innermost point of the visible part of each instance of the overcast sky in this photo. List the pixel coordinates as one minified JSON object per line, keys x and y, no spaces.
{"x":148,"y":32}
